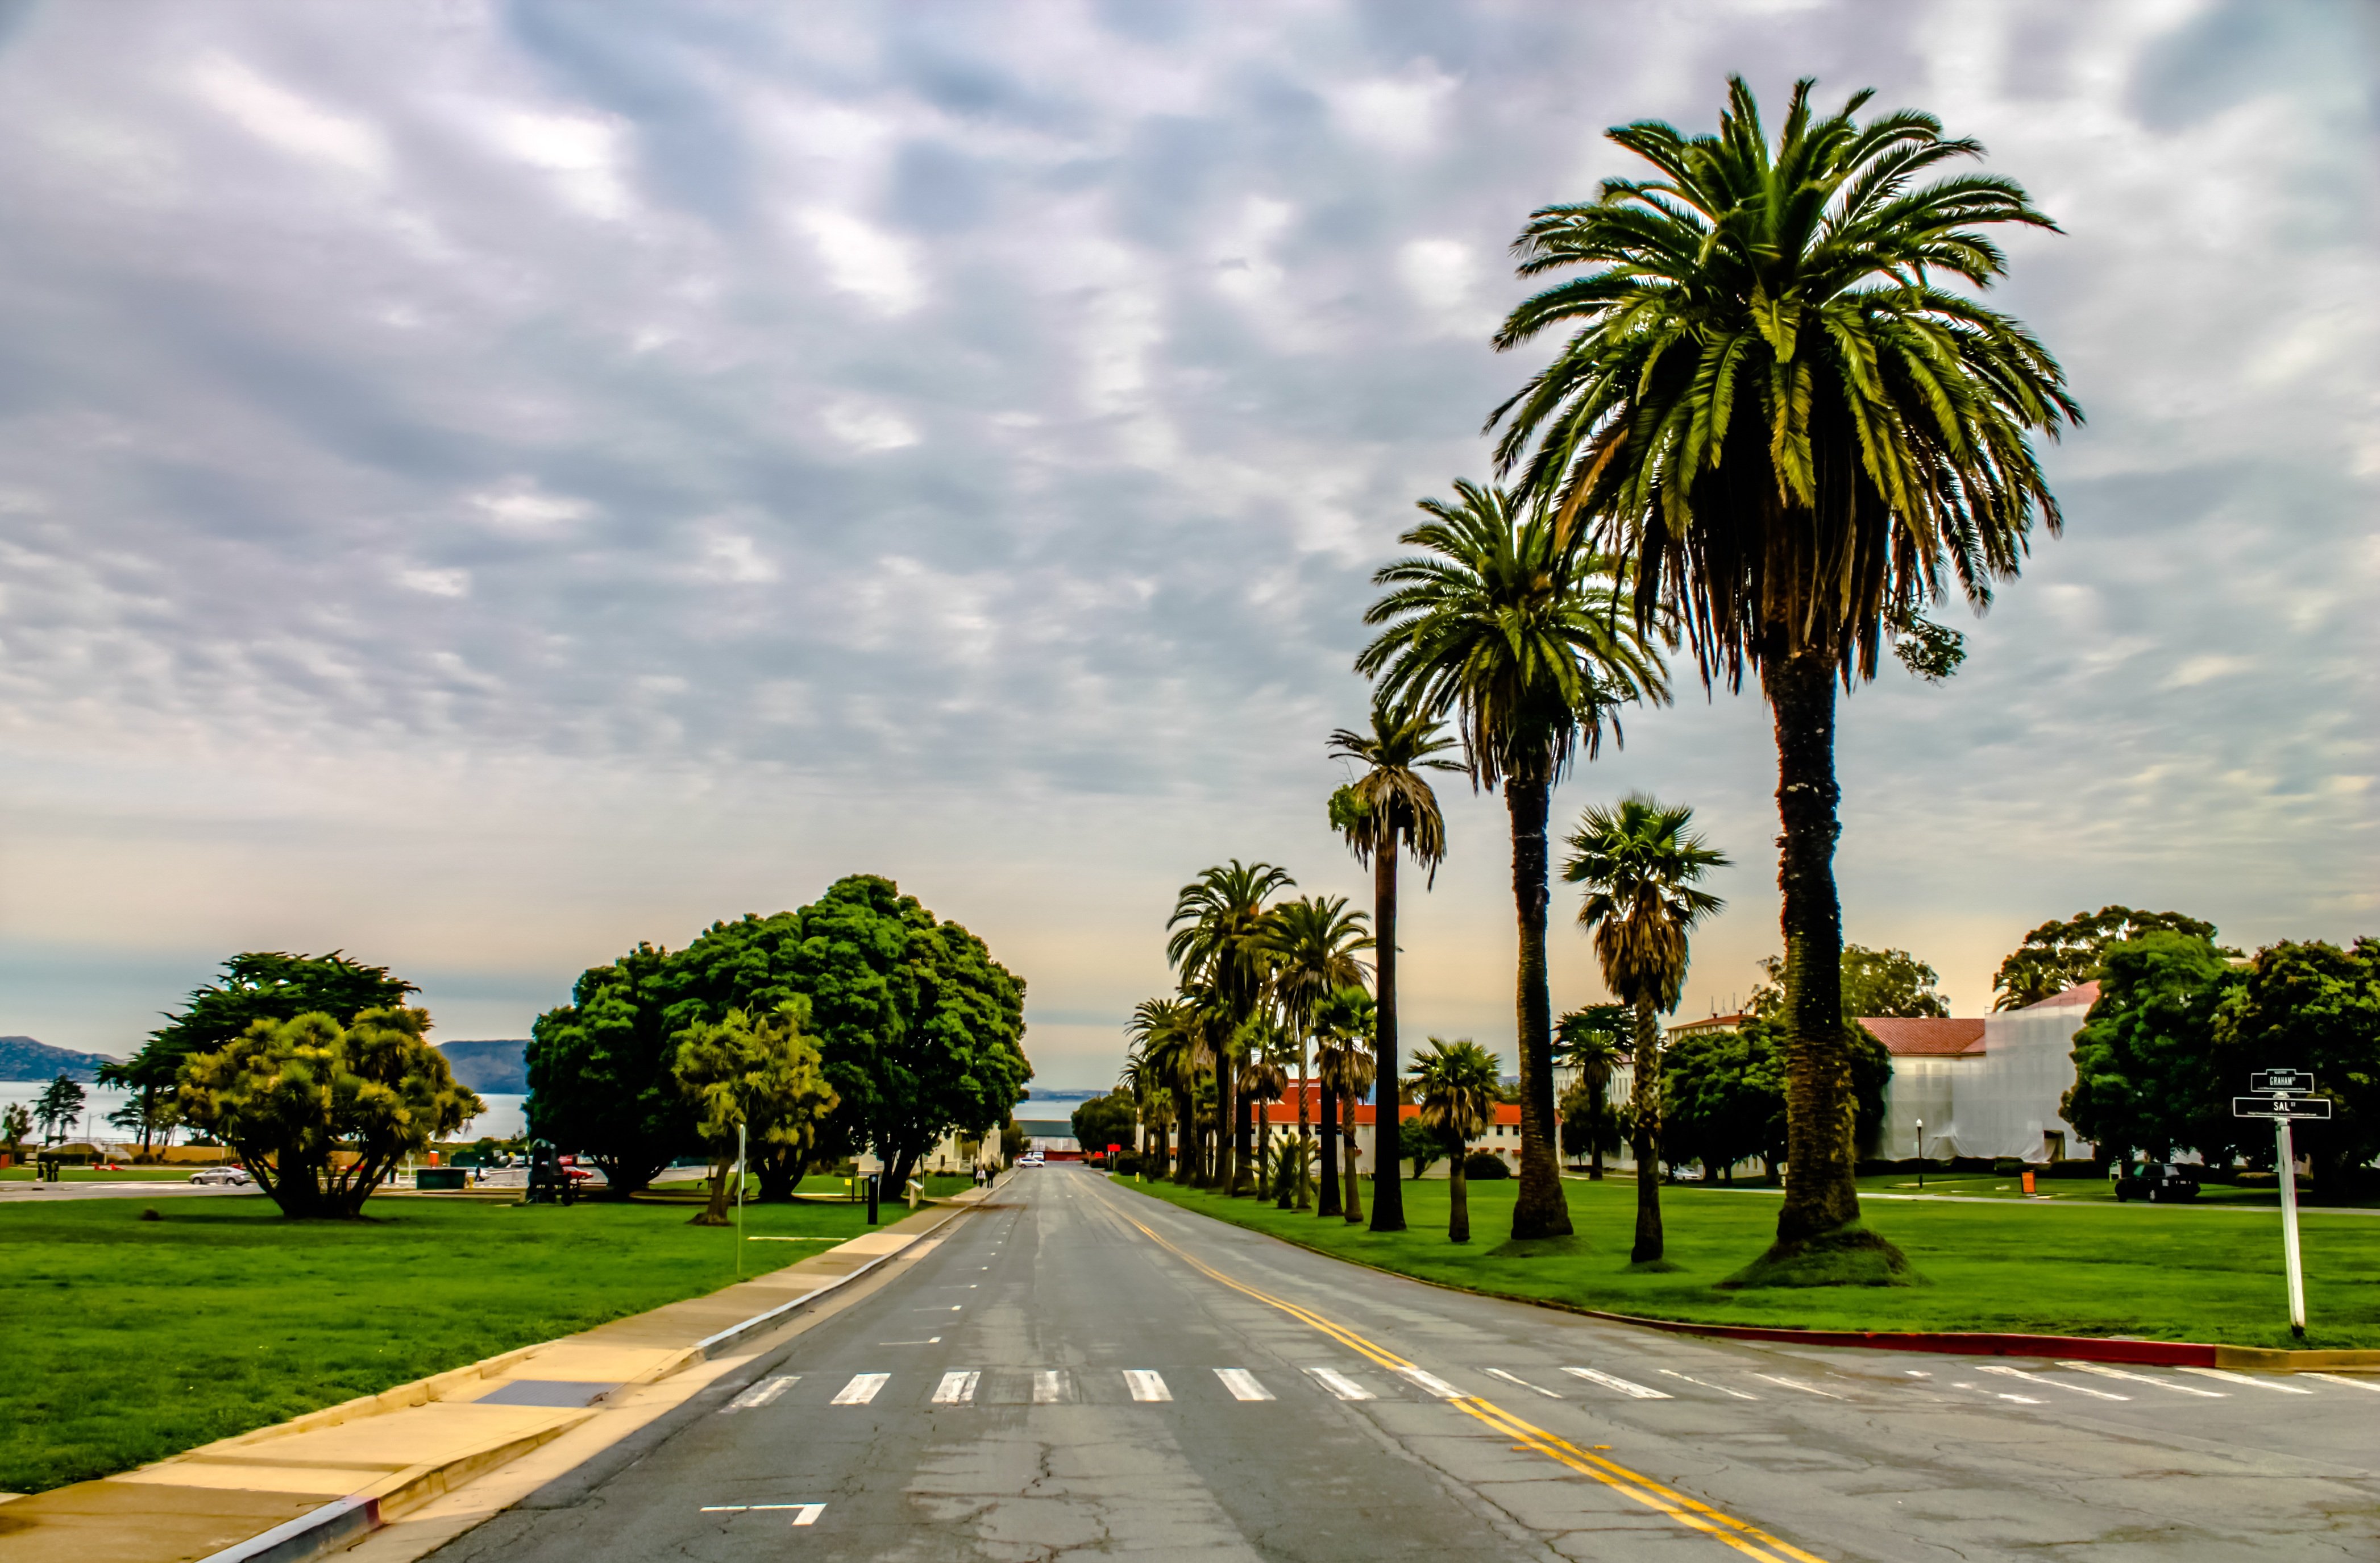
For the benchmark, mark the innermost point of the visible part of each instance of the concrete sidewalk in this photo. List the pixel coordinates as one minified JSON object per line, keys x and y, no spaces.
{"x":326,"y":1479}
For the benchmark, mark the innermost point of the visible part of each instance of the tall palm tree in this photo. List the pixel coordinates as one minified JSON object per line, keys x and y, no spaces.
{"x":1165,"y":1040}
{"x":1455,"y":1085}
{"x":1388,"y":809}
{"x":1264,"y":1080}
{"x":1344,"y":1026}
{"x":1766,"y":403}
{"x":1640,"y":863}
{"x":1517,"y":630}
{"x":1590,"y":1039}
{"x":1218,"y":926}
{"x":1314,"y":943}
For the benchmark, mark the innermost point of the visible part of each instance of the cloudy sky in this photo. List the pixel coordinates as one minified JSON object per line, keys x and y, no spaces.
{"x":482,"y":484}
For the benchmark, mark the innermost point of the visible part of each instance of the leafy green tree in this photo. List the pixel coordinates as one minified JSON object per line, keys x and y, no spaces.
{"x":1880,"y":982}
{"x":290,"y":1095}
{"x":1505,"y":622}
{"x":2144,"y":1061}
{"x":602,"y":1077}
{"x":15,"y":1122}
{"x":1455,"y":1083}
{"x":1420,"y":1144}
{"x":2315,"y":1007}
{"x":1723,"y":1098}
{"x":58,"y":1108}
{"x":1388,"y":811}
{"x":762,"y":1073}
{"x":1594,"y":1040}
{"x":1103,"y":1121}
{"x":1639,"y":863}
{"x":2059,"y":955}
{"x":1313,"y":947}
{"x":1766,"y":402}
{"x":1219,"y":935}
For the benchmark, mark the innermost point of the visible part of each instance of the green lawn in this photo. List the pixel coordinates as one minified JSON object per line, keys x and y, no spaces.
{"x":2163,"y":1272}
{"x":94,"y":1175}
{"x":124,"y":1340}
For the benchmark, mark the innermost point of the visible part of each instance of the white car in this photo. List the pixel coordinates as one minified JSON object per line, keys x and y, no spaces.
{"x":235,"y":1176}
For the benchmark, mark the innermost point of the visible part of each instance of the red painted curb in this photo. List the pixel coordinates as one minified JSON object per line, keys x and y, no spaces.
{"x":2079,"y":1347}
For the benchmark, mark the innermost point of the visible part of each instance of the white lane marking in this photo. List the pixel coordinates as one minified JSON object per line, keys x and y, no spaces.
{"x":2229,"y":1377}
{"x":808,"y":1514}
{"x":1049,"y":1387}
{"x":1430,"y":1384}
{"x":957,"y":1387}
{"x":2103,"y":1371}
{"x":1797,"y":1383}
{"x":1146,"y":1385}
{"x":762,"y":1393}
{"x":804,"y":1513}
{"x":2054,"y":1383}
{"x":2351,"y":1383}
{"x":1612,"y":1381}
{"x":861,"y":1389}
{"x":1720,"y":1387}
{"x":1243,"y":1385}
{"x":1514,"y":1378}
{"x":1339,"y":1383}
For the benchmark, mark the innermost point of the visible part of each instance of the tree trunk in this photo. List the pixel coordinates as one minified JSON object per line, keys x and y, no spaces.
{"x":1820,"y":1194}
{"x":1539,"y":1209}
{"x":714,"y":1213}
{"x":1327,"y":1163}
{"x":1305,"y":1117}
{"x":1458,"y":1203}
{"x":1388,"y":1187}
{"x":1185,"y":1137}
{"x":1596,"y":1107}
{"x":1646,"y":1099}
{"x":1264,"y":1146}
{"x":1243,"y":1167}
{"x":1227,"y":1166}
{"x":1354,"y":1189}
{"x":780,"y":1172}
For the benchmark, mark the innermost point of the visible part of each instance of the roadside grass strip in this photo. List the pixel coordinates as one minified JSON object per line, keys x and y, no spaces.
{"x":1614,"y":1381}
{"x":957,"y":1387}
{"x":862,"y":1388}
{"x":762,"y":1393}
{"x":1694,"y":1515}
{"x":1243,"y":1385}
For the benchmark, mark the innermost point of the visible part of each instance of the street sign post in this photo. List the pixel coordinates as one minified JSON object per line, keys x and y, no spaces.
{"x":2285,"y":1096}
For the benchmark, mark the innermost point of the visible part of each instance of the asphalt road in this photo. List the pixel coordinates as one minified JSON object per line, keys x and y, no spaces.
{"x":141,"y":1189}
{"x":1077,"y":1370}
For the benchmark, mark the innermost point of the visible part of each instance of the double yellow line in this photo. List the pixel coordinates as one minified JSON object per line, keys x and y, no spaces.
{"x":1745,"y":1537}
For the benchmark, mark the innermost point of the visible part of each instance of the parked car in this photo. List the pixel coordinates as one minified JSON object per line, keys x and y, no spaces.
{"x":236,"y":1176}
{"x":2158,"y":1182}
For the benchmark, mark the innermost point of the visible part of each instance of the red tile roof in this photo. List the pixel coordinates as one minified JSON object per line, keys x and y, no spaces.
{"x":1926,"y":1036}
{"x":2084,"y":994}
{"x":1286,"y":1111}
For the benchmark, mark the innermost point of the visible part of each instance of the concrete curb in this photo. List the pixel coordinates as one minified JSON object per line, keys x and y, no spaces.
{"x":2077,"y":1348}
{"x":711,"y":1346}
{"x":309,"y":1536}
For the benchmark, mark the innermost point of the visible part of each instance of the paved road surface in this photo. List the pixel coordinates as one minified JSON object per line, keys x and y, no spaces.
{"x":1077,"y":1370}
{"x":130,"y":1189}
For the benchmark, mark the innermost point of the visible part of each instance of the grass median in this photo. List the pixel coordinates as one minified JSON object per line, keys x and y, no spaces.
{"x":124,"y":1340}
{"x":2161,"y":1272}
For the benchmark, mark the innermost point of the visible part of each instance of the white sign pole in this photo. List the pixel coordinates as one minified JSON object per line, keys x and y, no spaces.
{"x":739,"y":1206}
{"x":2289,"y":1228}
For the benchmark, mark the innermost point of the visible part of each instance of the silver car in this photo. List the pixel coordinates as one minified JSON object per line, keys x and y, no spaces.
{"x":236,"y":1176}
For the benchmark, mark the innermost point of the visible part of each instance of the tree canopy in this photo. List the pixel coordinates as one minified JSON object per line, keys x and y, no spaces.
{"x":2057,"y":956}
{"x":2143,"y":1063}
{"x":2315,"y":1007}
{"x":1884,"y":984}
{"x":257,"y":985}
{"x":1103,"y":1121}
{"x":759,"y":1073}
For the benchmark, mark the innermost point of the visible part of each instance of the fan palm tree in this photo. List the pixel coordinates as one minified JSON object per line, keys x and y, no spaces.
{"x":1517,"y":632}
{"x":1218,"y":939}
{"x":1455,"y":1085}
{"x":1263,"y":1081}
{"x":1344,"y":1026}
{"x":1769,"y":406}
{"x":1590,"y":1039}
{"x":1165,"y":1042}
{"x":1314,"y":943}
{"x":1639,"y":863}
{"x":1388,"y":809}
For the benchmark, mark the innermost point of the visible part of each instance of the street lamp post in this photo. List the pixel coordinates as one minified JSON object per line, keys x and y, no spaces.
{"x":1921,"y":1152}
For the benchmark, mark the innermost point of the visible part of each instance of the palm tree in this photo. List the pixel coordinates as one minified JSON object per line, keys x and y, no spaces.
{"x":1344,"y":1025}
{"x":1314,"y":944}
{"x":1265,"y":1080}
{"x":1590,"y":1038}
{"x":1388,"y":810}
{"x":1518,"y":630}
{"x":1218,"y":938}
{"x":1455,"y":1083}
{"x":1769,"y":406}
{"x":1165,"y":1042}
{"x":1639,"y":863}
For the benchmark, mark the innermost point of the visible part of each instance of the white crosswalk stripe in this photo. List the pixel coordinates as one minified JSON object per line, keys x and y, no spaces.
{"x":762,"y":1393}
{"x":1614,"y":1381}
{"x":861,"y":1389}
{"x":1516,"y":1378}
{"x":1797,"y":1383}
{"x":2372,"y":1385}
{"x":1720,"y":1387}
{"x":957,"y":1387}
{"x":2005,"y":1372}
{"x":2229,"y":1377}
{"x":1339,"y":1383}
{"x":2103,"y":1371}
{"x":1050,"y":1387}
{"x":1430,"y":1384}
{"x":1243,"y":1385}
{"x":1146,"y":1385}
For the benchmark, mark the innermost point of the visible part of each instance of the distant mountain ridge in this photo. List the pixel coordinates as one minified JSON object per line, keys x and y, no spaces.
{"x":22,"y":1059}
{"x":500,"y":1067}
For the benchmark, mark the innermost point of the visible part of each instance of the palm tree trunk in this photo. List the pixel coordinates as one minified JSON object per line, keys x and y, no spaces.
{"x":1244,"y":1167}
{"x":1388,"y":1181}
{"x":1327,"y":1164}
{"x":1263,"y":1145}
{"x":1458,"y":1202}
{"x":1355,"y":1187}
{"x":1599,"y":1104}
{"x":1185,"y":1135}
{"x":1538,"y":1208}
{"x":1304,"y":1115}
{"x":1647,"y":1102}
{"x":1227,"y":1166}
{"x":1820,"y":1194}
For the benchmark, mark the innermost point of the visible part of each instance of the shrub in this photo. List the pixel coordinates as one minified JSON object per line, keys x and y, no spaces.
{"x":1484,"y":1167}
{"x":2009,"y":1166}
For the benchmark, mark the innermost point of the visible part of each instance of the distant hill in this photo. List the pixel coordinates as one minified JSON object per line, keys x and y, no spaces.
{"x":496,"y":1066}
{"x":22,"y":1059}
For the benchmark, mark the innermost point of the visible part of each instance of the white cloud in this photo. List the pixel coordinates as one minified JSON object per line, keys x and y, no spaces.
{"x":864,"y":259}
{"x":522,"y":505}
{"x":274,"y":114}
{"x":436,"y":583}
{"x":1397,"y":114}
{"x":733,"y":557}
{"x":582,"y":152}
{"x":866,"y":427}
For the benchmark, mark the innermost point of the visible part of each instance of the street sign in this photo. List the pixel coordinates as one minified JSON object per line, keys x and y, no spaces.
{"x":2281,"y":1083}
{"x":2278,"y":1107}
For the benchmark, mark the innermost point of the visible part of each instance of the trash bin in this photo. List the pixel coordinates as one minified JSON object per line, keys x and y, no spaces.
{"x":437,"y":1178}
